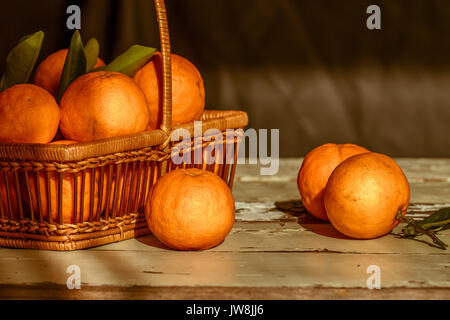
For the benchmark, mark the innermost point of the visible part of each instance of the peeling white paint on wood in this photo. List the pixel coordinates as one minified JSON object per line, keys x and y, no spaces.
{"x":259,"y":211}
{"x":269,"y":211}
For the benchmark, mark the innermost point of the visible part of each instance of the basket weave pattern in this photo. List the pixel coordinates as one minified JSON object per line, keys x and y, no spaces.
{"x":127,"y":179}
{"x":103,"y":184}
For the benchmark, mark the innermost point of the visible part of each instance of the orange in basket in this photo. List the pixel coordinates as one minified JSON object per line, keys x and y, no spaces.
{"x":101,"y":105}
{"x":315,"y":171}
{"x":69,"y":196}
{"x":188,"y":92}
{"x":48,"y":73}
{"x":28,"y":114}
{"x":364,"y":195}
{"x":9,"y":205}
{"x":190,"y":209}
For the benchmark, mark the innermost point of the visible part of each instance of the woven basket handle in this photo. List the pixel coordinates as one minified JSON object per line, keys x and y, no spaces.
{"x":166,"y":65}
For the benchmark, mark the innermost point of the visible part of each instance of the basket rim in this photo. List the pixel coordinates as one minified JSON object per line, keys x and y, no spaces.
{"x":217,"y":119}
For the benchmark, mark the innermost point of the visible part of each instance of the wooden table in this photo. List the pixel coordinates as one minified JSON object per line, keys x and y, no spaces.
{"x":275,"y":251}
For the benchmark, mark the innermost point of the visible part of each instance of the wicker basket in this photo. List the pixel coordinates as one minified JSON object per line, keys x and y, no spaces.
{"x":101,"y":186}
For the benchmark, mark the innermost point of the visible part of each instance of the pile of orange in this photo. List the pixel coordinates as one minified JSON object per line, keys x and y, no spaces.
{"x":96,"y":105}
{"x":48,"y":73}
{"x":360,"y":192}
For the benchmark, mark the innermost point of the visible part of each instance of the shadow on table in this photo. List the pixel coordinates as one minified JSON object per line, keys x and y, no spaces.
{"x":308,"y":221}
{"x":151,"y":240}
{"x":401,"y":236}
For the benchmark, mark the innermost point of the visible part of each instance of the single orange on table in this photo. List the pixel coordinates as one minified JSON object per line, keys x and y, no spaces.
{"x":190,"y":209}
{"x":28,"y":114}
{"x":364,"y":195}
{"x":188,"y":92}
{"x":316,"y":170}
{"x":101,"y":105}
{"x":48,"y":73}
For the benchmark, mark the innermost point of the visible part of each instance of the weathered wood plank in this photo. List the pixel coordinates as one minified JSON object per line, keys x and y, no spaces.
{"x":415,"y":169}
{"x":291,"y":210}
{"x":429,"y":180}
{"x":56,"y":292}
{"x":224,"y":269}
{"x":252,"y":191}
{"x":254,"y":254}
{"x":430,"y":192}
{"x":425,"y":169}
{"x":295,"y":237}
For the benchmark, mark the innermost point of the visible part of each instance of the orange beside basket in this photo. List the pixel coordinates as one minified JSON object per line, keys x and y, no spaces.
{"x":101,"y":187}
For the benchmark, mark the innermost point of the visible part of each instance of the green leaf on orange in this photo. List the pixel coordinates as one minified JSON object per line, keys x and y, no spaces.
{"x":21,"y":60}
{"x":92,"y":49}
{"x":130,"y":61}
{"x":75,"y":65}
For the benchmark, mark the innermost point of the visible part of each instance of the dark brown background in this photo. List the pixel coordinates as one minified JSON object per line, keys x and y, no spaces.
{"x":308,"y":67}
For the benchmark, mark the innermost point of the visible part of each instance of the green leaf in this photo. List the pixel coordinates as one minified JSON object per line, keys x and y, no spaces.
{"x":438,"y":220}
{"x":75,"y":64}
{"x":92,"y":49}
{"x":410,"y":231}
{"x":131,"y":61}
{"x":21,"y":60}
{"x":24,"y":38}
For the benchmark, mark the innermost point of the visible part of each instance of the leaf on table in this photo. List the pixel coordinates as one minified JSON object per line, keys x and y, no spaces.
{"x":437,"y":221}
{"x":131,"y":61}
{"x":21,"y":60}
{"x":92,"y":49}
{"x":75,"y":64}
{"x":410,"y":231}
